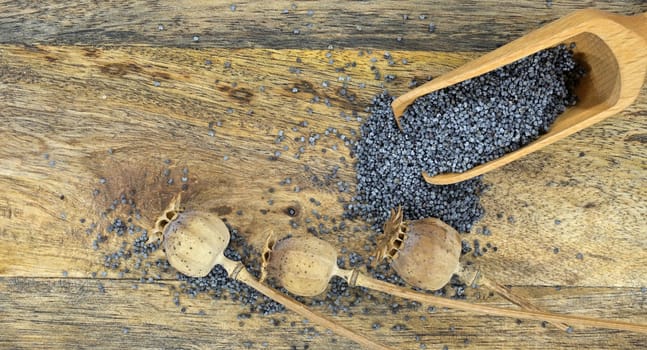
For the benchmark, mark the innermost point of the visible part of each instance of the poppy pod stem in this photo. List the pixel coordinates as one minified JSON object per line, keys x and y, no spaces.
{"x":371,"y":283}
{"x":357,"y":279}
{"x":305,"y":265}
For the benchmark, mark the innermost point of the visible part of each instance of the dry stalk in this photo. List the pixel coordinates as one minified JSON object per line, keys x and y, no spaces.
{"x":296,"y":262}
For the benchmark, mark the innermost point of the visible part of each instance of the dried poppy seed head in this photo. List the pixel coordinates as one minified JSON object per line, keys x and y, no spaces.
{"x":425,"y":253}
{"x":394,"y":235}
{"x":194,"y":242}
{"x":170,"y":213}
{"x":302,"y":265}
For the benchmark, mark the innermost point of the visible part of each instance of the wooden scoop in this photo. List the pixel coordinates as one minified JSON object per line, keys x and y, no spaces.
{"x":612,"y":48}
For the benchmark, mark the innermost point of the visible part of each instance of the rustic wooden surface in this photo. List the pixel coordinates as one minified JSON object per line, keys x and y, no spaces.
{"x":79,"y":103}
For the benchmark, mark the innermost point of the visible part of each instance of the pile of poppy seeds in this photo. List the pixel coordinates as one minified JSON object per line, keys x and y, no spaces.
{"x":453,"y":130}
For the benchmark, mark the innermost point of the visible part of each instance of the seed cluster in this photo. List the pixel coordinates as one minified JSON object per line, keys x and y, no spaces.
{"x":389,"y":176}
{"x":483,"y":118}
{"x":455,"y":129}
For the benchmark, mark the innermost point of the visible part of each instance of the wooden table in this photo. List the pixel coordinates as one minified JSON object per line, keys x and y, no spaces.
{"x":100,"y":98}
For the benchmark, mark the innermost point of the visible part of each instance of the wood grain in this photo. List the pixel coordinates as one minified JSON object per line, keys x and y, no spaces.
{"x":73,"y":108}
{"x":36,"y":308}
{"x":459,"y":25}
{"x":82,"y":125}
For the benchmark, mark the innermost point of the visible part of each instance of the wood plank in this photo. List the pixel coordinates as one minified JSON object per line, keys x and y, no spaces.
{"x":572,"y":209}
{"x":82,"y":125}
{"x":147,"y":318}
{"x":78,"y":106}
{"x":460,"y":25}
{"x":64,"y":108}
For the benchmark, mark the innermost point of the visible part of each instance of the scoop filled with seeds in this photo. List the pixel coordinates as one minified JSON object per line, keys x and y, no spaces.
{"x":526,"y":86}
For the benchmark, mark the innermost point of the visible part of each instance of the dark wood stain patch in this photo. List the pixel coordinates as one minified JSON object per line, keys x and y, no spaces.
{"x":91,"y":52}
{"x":120,"y":69}
{"x":161,"y":75}
{"x":242,"y":95}
{"x":303,"y":86}
{"x":221,"y":210}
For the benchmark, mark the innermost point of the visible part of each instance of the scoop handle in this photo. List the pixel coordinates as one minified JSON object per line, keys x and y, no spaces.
{"x":636,"y":23}
{"x":639,"y":24}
